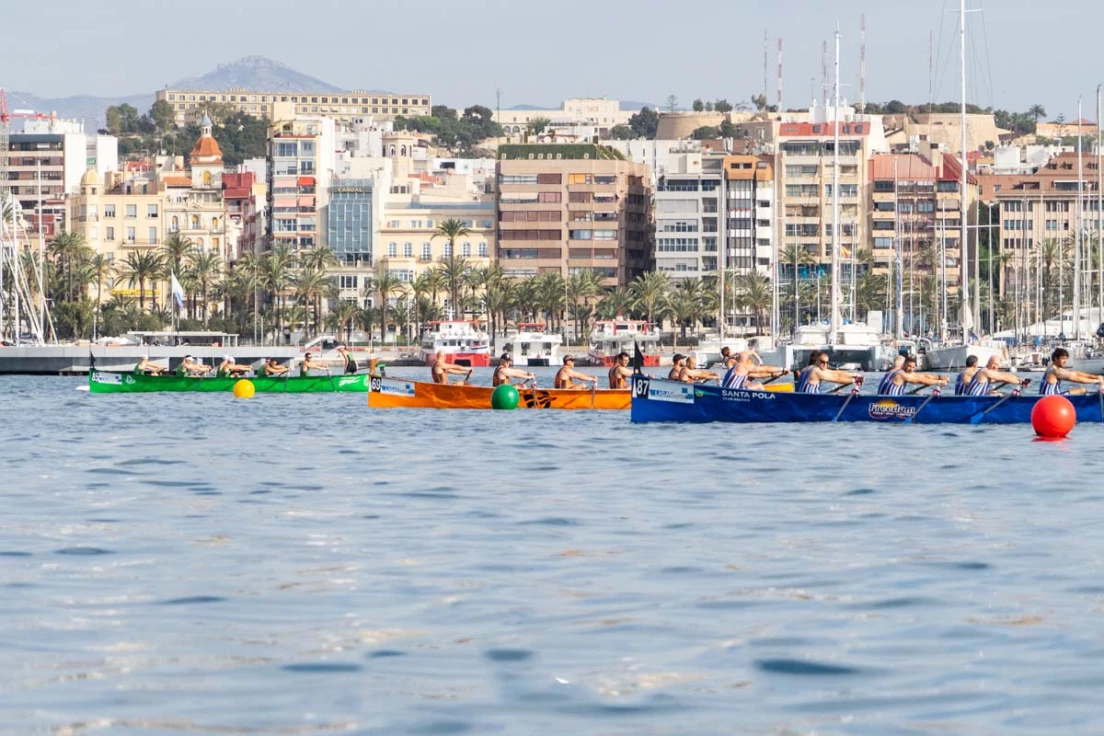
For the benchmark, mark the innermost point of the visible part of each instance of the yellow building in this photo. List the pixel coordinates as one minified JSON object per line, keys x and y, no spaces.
{"x":190,"y":105}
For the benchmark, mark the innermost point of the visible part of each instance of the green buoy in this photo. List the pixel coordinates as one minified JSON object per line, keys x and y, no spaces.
{"x":504,"y":397}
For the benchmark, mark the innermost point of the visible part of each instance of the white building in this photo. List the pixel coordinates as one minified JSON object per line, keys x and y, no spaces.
{"x":598,"y":112}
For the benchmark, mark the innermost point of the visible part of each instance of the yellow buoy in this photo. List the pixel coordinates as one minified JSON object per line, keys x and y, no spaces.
{"x":244,"y":389}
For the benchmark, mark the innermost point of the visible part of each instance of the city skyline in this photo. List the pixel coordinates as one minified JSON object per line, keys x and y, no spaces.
{"x":496,"y":38}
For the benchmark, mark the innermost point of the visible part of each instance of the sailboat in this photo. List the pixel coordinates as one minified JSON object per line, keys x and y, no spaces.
{"x":953,"y":355}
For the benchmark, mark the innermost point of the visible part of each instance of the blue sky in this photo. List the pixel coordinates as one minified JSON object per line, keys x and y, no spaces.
{"x":460,"y":51}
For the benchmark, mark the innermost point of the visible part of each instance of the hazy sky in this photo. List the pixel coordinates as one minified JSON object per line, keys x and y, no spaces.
{"x":1020,"y":51}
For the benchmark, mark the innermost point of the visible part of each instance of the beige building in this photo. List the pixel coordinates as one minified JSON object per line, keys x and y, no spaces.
{"x":568,"y":208}
{"x":596,"y":112}
{"x":190,"y":105}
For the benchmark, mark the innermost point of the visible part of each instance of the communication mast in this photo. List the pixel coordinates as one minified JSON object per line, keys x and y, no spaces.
{"x":862,"y":64}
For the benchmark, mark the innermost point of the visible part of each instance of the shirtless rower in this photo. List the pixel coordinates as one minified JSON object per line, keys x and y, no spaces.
{"x":908,"y":375}
{"x":967,"y":375}
{"x":678,"y":362}
{"x":309,"y":364}
{"x":983,"y":379}
{"x":146,"y":367}
{"x":504,"y":372}
{"x":741,"y":369}
{"x":442,"y":368}
{"x":1057,"y":372}
{"x":691,"y":373}
{"x":566,"y":376}
{"x":808,"y":382}
{"x":273,"y":368}
{"x":620,"y":372}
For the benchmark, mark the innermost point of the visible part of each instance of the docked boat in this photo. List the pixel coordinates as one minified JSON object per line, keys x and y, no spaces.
{"x":612,"y":336}
{"x":952,"y":357}
{"x":398,"y":393}
{"x":657,"y":400}
{"x":532,"y":346}
{"x":109,"y":382}
{"x":461,"y":342}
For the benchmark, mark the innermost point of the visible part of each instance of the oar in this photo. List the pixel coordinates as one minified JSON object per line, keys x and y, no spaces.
{"x":854,"y":392}
{"x":1100,"y":393}
{"x":976,"y":418}
{"x":934,"y":393}
{"x":332,"y":386}
{"x":593,"y":390}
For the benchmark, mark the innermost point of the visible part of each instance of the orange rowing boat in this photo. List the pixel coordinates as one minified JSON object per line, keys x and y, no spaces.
{"x":395,"y":393}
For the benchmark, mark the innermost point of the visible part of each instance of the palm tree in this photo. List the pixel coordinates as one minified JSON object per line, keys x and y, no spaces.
{"x":385,"y":286}
{"x":581,"y":286}
{"x":1037,"y":111}
{"x":311,"y":284}
{"x":67,"y":250}
{"x":649,"y":290}
{"x":275,"y":273}
{"x":141,"y":268}
{"x":550,"y":295}
{"x":452,"y":269}
{"x":343,"y":315}
{"x":753,"y":293}
{"x":684,"y":304}
{"x":206,"y":271}
{"x":614,"y":302}
{"x":451,"y":229}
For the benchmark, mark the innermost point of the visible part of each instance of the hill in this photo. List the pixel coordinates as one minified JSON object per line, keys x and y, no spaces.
{"x":255,"y":72}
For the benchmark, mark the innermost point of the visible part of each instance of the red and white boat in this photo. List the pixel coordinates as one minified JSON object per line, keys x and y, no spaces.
{"x":612,"y":336}
{"x":463,"y":343}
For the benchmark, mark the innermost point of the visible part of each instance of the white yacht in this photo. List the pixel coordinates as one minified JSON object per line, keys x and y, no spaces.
{"x":530,"y":345}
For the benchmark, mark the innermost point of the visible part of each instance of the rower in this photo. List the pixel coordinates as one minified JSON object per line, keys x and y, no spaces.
{"x":503,"y":373}
{"x":741,"y":369}
{"x":984,"y":378}
{"x":691,"y":373}
{"x":191,"y":368}
{"x":678,"y":362}
{"x":309,"y":364}
{"x":442,"y":368}
{"x":966,"y":376}
{"x":620,"y":372}
{"x":908,"y":374}
{"x":351,"y":366}
{"x":273,"y":368}
{"x":817,"y":372}
{"x":229,"y":369}
{"x":566,"y":376}
{"x":887,"y":379}
{"x":146,"y":367}
{"x":1057,"y":372}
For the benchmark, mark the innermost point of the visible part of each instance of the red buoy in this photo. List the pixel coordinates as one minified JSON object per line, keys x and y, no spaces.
{"x":1053,"y":417}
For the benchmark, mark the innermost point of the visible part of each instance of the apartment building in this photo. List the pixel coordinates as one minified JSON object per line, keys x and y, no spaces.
{"x":597,"y":113}
{"x":749,"y":214}
{"x":688,"y":215}
{"x":191,"y":105}
{"x":567,"y":208}
{"x":301,"y":159}
{"x":1042,"y":207}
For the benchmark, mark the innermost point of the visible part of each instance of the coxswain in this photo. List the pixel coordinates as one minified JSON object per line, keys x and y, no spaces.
{"x":691,"y":373}
{"x":229,"y":369}
{"x":567,"y":376}
{"x":273,"y":368}
{"x":1057,"y":372}
{"x":442,"y":368}
{"x":504,"y":372}
{"x":908,"y":375}
{"x":817,"y":372}
{"x":351,"y":366}
{"x":620,"y":372}
{"x":146,"y":367}
{"x":678,"y":362}
{"x":966,"y":376}
{"x":887,"y":379}
{"x":981,"y":384}
{"x":741,"y":370}
{"x":309,"y":364}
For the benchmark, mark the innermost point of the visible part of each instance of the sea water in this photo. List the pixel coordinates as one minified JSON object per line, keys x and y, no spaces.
{"x":190,"y":563}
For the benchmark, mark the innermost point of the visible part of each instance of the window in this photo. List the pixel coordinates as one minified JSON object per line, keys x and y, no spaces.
{"x":677,"y":245}
{"x":408,"y":250}
{"x":109,"y":233}
{"x":605,"y":180}
{"x":392,"y":250}
{"x":517,"y":179}
{"x":131,"y":211}
{"x":448,"y":250}
{"x":427,"y":252}
{"x":131,"y":236}
{"x":550,"y":197}
{"x":549,"y":178}
{"x":195,"y":222}
{"x":580,"y":197}
{"x":581,"y":235}
{"x":109,"y":210}
{"x":605,"y":235}
{"x":465,"y":250}
{"x":482,"y":250}
{"x":580,"y":179}
{"x":287,"y":149}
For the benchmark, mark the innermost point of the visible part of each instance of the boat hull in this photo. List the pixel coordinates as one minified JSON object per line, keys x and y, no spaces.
{"x":468,"y":360}
{"x":953,"y":357}
{"x":103,"y":382}
{"x":651,"y":360}
{"x":397,"y":393}
{"x":669,"y":401}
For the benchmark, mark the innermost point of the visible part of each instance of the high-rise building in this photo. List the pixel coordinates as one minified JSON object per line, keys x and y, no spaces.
{"x":688,"y":215}
{"x":301,"y":159}
{"x":569,"y":208}
{"x":749,"y":208}
{"x":191,"y":105}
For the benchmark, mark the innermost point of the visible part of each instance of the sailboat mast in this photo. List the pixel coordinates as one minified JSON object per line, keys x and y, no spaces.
{"x":723,"y":212}
{"x":1077,"y":234}
{"x":1099,"y":220}
{"x":964,"y":258}
{"x":835,"y":202}
{"x":898,"y":303}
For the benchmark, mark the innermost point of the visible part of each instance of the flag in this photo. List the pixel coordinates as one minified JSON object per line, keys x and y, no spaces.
{"x":638,"y":359}
{"x":177,"y":291}
{"x":845,"y":252}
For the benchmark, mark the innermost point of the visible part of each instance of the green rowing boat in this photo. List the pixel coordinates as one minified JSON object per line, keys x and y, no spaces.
{"x":105,"y":382}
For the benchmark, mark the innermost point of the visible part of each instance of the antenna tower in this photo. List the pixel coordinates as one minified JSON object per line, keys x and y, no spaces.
{"x":780,"y":108}
{"x":862,"y":64}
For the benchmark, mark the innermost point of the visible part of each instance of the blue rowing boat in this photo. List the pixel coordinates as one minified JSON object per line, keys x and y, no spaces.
{"x":656,"y":400}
